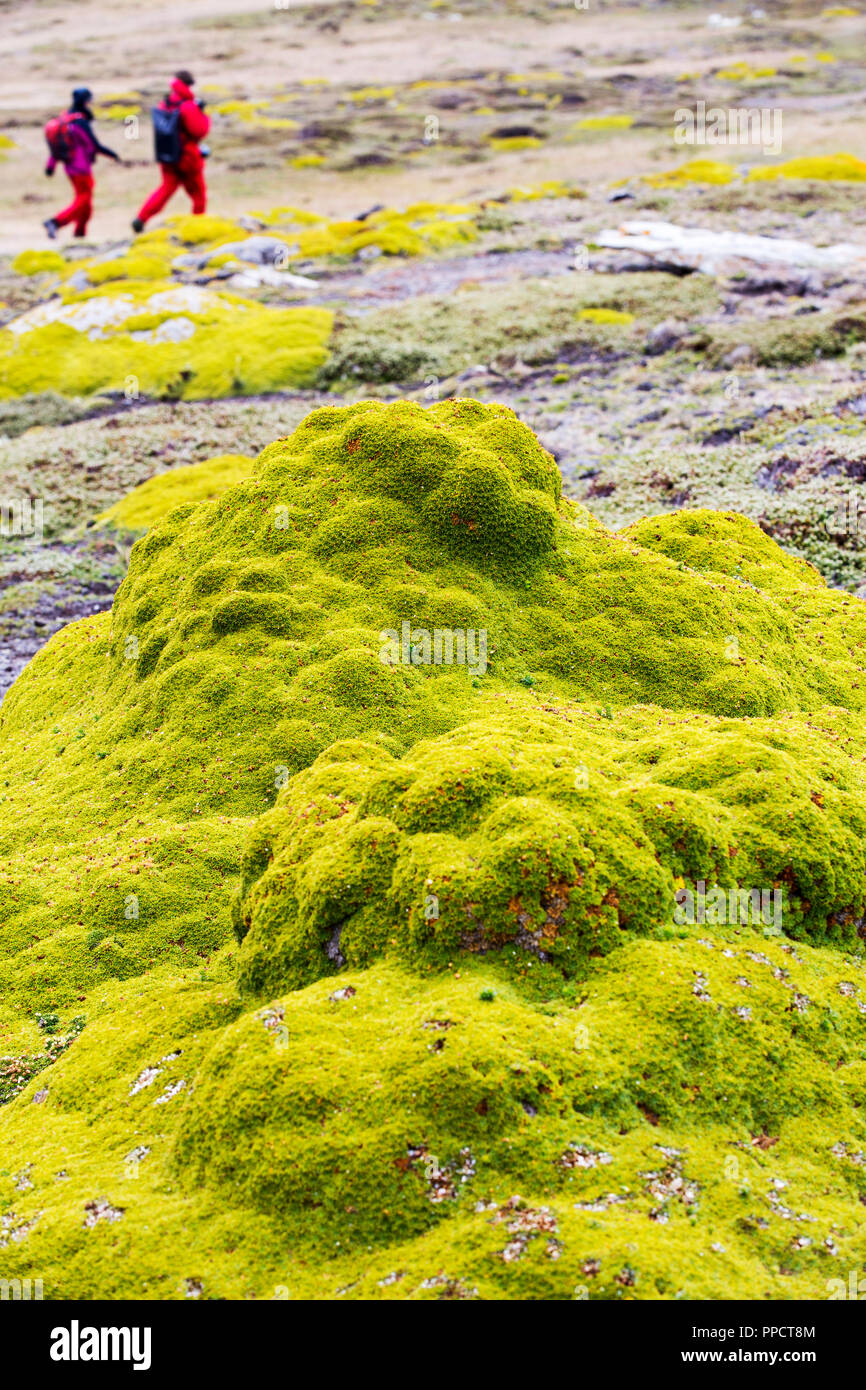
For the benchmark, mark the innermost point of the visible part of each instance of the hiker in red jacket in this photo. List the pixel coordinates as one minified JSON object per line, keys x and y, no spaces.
{"x":179,"y":124}
{"x":73,"y":143}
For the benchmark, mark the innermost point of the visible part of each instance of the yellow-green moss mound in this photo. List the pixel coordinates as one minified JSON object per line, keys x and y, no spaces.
{"x":431,"y":729}
{"x":387,"y":574}
{"x":155,"y":498}
{"x":549,"y":836}
{"x":685,"y":1124}
{"x":614,"y":122}
{"x":371,"y":517}
{"x":148,"y":338}
{"x":693,"y":171}
{"x":836,"y":168}
{"x":832,"y":168}
{"x":38,"y":262}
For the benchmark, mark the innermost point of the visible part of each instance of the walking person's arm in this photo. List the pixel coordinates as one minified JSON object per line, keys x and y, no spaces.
{"x":98,"y":147}
{"x":103,"y":149}
{"x":196,"y":122}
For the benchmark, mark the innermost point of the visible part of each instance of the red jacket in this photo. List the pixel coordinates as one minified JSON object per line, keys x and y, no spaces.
{"x":194,"y":124}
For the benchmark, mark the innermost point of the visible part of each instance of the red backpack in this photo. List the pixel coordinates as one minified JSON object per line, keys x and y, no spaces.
{"x":57,"y":135}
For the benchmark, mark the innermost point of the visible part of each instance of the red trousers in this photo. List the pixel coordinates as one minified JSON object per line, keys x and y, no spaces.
{"x":80,"y":210}
{"x":173,"y":176}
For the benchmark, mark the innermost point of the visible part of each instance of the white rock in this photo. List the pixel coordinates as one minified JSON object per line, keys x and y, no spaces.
{"x":299,"y":282}
{"x":175,"y":330}
{"x":93,"y":316}
{"x":253,"y":278}
{"x":183,"y":299}
{"x":718,"y":253}
{"x":88,"y":316}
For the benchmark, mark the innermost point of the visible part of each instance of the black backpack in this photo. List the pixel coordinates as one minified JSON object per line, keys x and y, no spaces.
{"x":166,"y":134}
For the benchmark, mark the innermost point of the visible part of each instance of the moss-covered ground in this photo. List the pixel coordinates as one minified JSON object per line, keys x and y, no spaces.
{"x":369,"y":975}
{"x":334,"y":968}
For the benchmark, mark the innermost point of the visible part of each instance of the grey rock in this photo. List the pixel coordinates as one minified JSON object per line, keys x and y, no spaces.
{"x":771,"y":280}
{"x":190,"y":260}
{"x":258,"y":250}
{"x":739,"y":355}
{"x":666,"y":335}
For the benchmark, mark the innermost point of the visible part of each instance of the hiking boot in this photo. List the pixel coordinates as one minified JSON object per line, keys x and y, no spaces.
{"x":137,"y":224}
{"x":51,"y":227}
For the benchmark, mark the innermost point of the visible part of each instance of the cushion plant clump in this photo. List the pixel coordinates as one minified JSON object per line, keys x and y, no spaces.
{"x":432,"y":887}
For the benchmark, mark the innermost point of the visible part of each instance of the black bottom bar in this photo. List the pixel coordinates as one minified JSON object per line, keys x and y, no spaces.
{"x":81,"y":1340}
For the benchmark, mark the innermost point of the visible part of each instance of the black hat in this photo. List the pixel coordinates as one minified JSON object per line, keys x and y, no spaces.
{"x":81,"y":96}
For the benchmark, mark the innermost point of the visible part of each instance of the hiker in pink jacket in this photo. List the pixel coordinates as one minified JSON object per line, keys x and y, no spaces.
{"x":72,"y":143}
